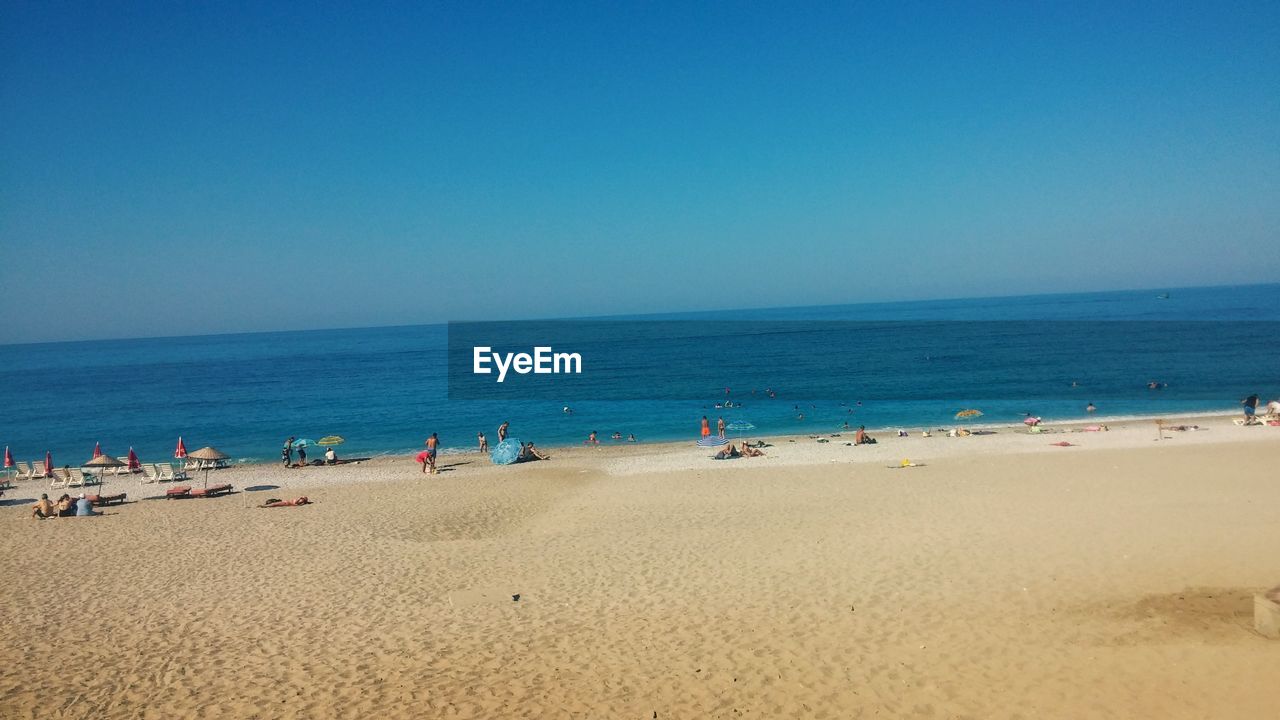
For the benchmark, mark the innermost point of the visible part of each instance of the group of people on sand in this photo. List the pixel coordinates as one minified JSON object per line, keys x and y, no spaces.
{"x":1251,"y":410}
{"x":65,"y":506}
{"x":730,"y":451}
{"x":286,"y":454}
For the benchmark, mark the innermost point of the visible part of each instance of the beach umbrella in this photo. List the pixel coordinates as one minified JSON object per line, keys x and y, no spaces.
{"x":104,"y":461}
{"x":303,"y":443}
{"x":740,"y":427}
{"x":207,"y":456}
{"x":330,"y":440}
{"x":964,"y":414}
{"x":181,"y":451}
{"x":134,"y":463}
{"x":506,"y":452}
{"x":48,"y":463}
{"x":712,"y":441}
{"x":1031,"y":420}
{"x":97,"y":449}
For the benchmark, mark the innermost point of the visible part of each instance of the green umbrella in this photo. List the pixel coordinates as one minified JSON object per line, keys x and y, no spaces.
{"x":330,"y":440}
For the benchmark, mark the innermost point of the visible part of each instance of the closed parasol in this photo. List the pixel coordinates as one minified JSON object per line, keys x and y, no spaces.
{"x":181,"y":450}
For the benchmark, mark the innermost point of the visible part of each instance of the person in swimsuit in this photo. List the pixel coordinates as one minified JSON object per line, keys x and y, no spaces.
{"x":502,"y":431}
{"x":591,"y":439}
{"x":720,"y":426}
{"x":706,"y":427}
{"x":44,"y":508}
{"x":484,"y":444}
{"x":432,"y":443}
{"x":1250,"y":407}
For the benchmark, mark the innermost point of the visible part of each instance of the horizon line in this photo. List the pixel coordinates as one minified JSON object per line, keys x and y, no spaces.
{"x":628,"y":316}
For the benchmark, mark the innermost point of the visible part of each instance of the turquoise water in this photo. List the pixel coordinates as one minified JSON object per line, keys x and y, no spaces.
{"x":910,"y":365}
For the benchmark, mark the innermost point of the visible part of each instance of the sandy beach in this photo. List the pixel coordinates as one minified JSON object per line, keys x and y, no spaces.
{"x":1003,"y":577}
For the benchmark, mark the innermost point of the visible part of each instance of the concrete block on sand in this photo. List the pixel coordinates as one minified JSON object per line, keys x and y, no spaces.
{"x":1266,"y":613}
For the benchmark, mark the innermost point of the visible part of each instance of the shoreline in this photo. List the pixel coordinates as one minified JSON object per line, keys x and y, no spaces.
{"x":794,"y":450}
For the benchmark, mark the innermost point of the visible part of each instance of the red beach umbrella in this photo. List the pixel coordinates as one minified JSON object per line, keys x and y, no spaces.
{"x":97,"y":449}
{"x":181,"y":452}
{"x":8,"y":458}
{"x":48,"y":463}
{"x":134,"y":464}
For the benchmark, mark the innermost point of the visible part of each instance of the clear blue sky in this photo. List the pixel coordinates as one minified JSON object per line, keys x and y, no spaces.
{"x":168,"y":170}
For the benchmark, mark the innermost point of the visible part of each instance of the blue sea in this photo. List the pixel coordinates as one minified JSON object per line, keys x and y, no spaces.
{"x":889,"y":365}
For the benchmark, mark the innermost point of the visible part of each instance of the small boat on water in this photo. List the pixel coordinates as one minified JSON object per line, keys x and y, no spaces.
{"x":1162,"y":296}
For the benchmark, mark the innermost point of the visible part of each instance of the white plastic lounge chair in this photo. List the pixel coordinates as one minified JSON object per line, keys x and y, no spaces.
{"x":164,"y":472}
{"x":149,"y":474}
{"x":59,"y":480}
{"x":24,"y":471}
{"x":38,"y":469}
{"x":123,"y":469}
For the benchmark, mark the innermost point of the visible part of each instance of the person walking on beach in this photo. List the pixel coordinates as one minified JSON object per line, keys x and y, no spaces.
{"x":286,"y":454}
{"x":706,"y":427}
{"x":502,"y":431}
{"x":484,"y":444}
{"x":302,"y":456}
{"x":432,"y":443}
{"x":591,"y":439}
{"x":720,"y":426}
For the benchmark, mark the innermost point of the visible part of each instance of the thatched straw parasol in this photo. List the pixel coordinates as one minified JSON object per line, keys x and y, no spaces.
{"x":207,"y":456}
{"x":104,"y":461}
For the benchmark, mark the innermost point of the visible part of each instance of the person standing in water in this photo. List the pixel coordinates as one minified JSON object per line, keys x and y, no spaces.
{"x":502,"y":431}
{"x":484,"y":444}
{"x":1090,"y":408}
{"x":720,"y":426}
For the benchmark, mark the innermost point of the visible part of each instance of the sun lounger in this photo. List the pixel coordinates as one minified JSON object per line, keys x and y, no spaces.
{"x":26,"y":471}
{"x":181,"y":491}
{"x":106,"y":499}
{"x":123,"y":469}
{"x":149,"y":474}
{"x":38,"y":470}
{"x":80,"y":478}
{"x":7,"y":484}
{"x":212,"y":491}
{"x":165,"y":473}
{"x":59,"y":480}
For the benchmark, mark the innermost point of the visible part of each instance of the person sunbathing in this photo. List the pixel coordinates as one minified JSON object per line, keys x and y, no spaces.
{"x":728,"y":452}
{"x":748,"y":451}
{"x":529,"y":453}
{"x":44,"y":508}
{"x":296,"y":502}
{"x":65,"y":506}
